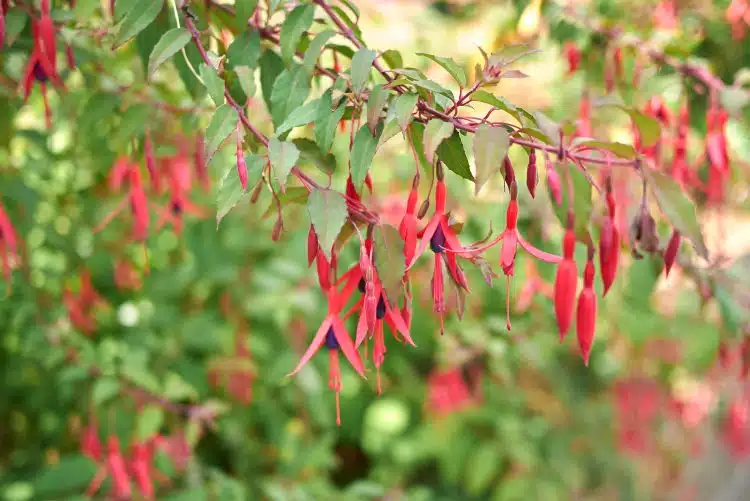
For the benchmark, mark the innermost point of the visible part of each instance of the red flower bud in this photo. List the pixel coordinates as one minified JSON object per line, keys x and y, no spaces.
{"x":671,"y":252}
{"x":609,"y":246}
{"x":586,"y":312}
{"x":148,"y":152}
{"x":553,"y":180}
{"x":117,"y":470}
{"x":241,"y":165}
{"x":312,"y":246}
{"x":531,"y":174}
{"x":566,"y":281}
{"x":573,"y":55}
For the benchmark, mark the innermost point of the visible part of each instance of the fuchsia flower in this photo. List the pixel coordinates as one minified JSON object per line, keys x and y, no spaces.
{"x":511,"y":238}
{"x":717,"y":152}
{"x":8,"y":244}
{"x":123,"y":170}
{"x":114,"y":467}
{"x":408,"y":226}
{"x":333,"y":334}
{"x":179,"y":181}
{"x":439,"y":235}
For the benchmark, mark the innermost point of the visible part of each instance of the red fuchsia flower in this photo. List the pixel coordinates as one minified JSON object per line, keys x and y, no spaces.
{"x":680,"y":171}
{"x":81,"y":306}
{"x":656,"y":108}
{"x":670,"y":253}
{"x":511,"y":238}
{"x":439,"y":235}
{"x":665,"y":15}
{"x":717,"y":152}
{"x":586,"y":311}
{"x":617,"y":58}
{"x":609,"y":243}
{"x":736,"y":429}
{"x":179,"y":181}
{"x":126,"y":277}
{"x":91,"y":446}
{"x":738,"y":17}
{"x":448,"y":392}
{"x":332,"y":333}
{"x":153,"y":171}
{"x":533,"y":285}
{"x":573,"y":56}
{"x":8,"y":244}
{"x":42,"y":65}
{"x":115,"y":468}
{"x":531,"y":174}
{"x":408,"y":226}
{"x":141,"y":470}
{"x":566,"y":282}
{"x":125,"y":170}
{"x":553,"y":181}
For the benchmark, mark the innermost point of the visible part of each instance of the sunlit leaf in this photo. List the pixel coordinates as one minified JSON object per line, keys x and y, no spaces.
{"x":169,"y":44}
{"x":283,"y":156}
{"x":360,"y":70}
{"x":295,"y":25}
{"x":327,"y":210}
{"x":389,"y":259}
{"x":490,"y":147}
{"x":363,"y":151}
{"x":223,"y":122}
{"x":435,"y":133}
{"x":141,"y":15}
{"x":450,"y":66}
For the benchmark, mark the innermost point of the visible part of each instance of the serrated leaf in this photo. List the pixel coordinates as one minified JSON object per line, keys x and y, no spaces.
{"x":620,"y":149}
{"x":389,"y":259}
{"x":452,"y":153}
{"x":309,"y":152}
{"x":363,"y":151}
{"x":105,"y":389}
{"x":327,"y":121}
{"x":677,"y":207}
{"x":223,"y":122}
{"x":149,"y":422}
{"x":458,"y":73}
{"x":245,"y":49}
{"x":314,"y":49}
{"x":360,"y":70}
{"x":490,"y":147}
{"x":327,"y":210}
{"x":303,"y":115}
{"x":246,"y":78}
{"x":213,"y":83}
{"x":375,"y":104}
{"x":137,"y":19}
{"x":404,"y":107}
{"x":435,"y":133}
{"x":648,"y":127}
{"x":168,"y":45}
{"x":283,"y":156}
{"x":230,"y":188}
{"x":582,"y":204}
{"x":295,"y":25}
{"x":289,"y":92}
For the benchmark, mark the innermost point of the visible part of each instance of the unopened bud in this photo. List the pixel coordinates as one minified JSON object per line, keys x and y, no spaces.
{"x":277,"y":229}
{"x":423,"y":208}
{"x":256,"y":193}
{"x":439,"y":171}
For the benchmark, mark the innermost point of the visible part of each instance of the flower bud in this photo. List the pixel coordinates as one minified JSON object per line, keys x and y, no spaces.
{"x":531,"y":174}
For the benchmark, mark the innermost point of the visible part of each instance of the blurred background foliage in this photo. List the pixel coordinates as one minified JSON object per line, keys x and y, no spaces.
{"x":220,"y":315}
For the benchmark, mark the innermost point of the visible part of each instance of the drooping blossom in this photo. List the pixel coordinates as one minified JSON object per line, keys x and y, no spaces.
{"x":586,"y":310}
{"x":8,"y":244}
{"x":566,"y":282}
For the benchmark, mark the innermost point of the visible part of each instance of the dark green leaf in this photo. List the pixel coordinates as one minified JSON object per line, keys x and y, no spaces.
{"x":271,"y":66}
{"x":303,"y":115}
{"x":363,"y":151}
{"x":246,"y":78}
{"x":678,"y":208}
{"x":289,"y":93}
{"x":169,"y":44}
{"x":99,"y":107}
{"x":15,"y":21}
{"x":72,"y":473}
{"x":328,"y":214}
{"x":452,"y":153}
{"x":245,"y":49}
{"x":213,"y":83}
{"x":223,"y":122}
{"x":482,"y":468}
{"x":141,"y":15}
{"x":150,"y":420}
{"x":283,"y":156}
{"x":296,"y":24}
{"x":327,"y":121}
{"x":105,"y":389}
{"x":434,"y":133}
{"x":393,"y":58}
{"x":389,"y":259}
{"x":450,"y":66}
{"x":375,"y":103}
{"x":230,"y":189}
{"x":490,"y":147}
{"x":314,"y":49}
{"x":243,"y":10}
{"x":360,"y":70}
{"x":310,"y":152}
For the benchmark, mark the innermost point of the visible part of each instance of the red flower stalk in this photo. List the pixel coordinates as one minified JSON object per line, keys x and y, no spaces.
{"x":153,"y":172}
{"x":670,"y":254}
{"x":241,"y":165}
{"x":531,"y":174}
{"x":440,"y":237}
{"x":566,"y":282}
{"x":573,"y":55}
{"x":332,"y":332}
{"x":609,"y":243}
{"x":511,"y":238}
{"x":408,"y":226}
{"x":586,"y":312}
{"x":8,"y":244}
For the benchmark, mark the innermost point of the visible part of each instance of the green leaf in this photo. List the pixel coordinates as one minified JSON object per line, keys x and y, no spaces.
{"x":734,"y":99}
{"x":213,"y":83}
{"x":137,"y":19}
{"x":246,"y":77}
{"x":452,"y":153}
{"x":449,"y":65}
{"x":223,"y":122}
{"x":327,"y":121}
{"x":100,"y":106}
{"x":230,"y":189}
{"x":15,"y":22}
{"x":303,"y":115}
{"x":375,"y":104}
{"x":84,"y":9}
{"x":404,"y":107}
{"x":72,"y":473}
{"x":548,"y":127}
{"x":389,"y":259}
{"x":482,"y":468}
{"x":296,"y":24}
{"x":490,"y":147}
{"x":105,"y":389}
{"x":243,"y":9}
{"x":648,"y":127}
{"x":245,"y":49}
{"x":362,"y":154}
{"x":677,"y":207}
{"x":393,"y":58}
{"x":328,"y":214}
{"x":434,"y":133}
{"x":310,"y":153}
{"x":271,"y":66}
{"x":582,"y":204}
{"x":169,"y":44}
{"x":360,"y":70}
{"x":283,"y":156}
{"x":132,"y":123}
{"x":289,"y":93}
{"x":149,"y":421}
{"x":314,"y":49}
{"x":620,"y":149}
